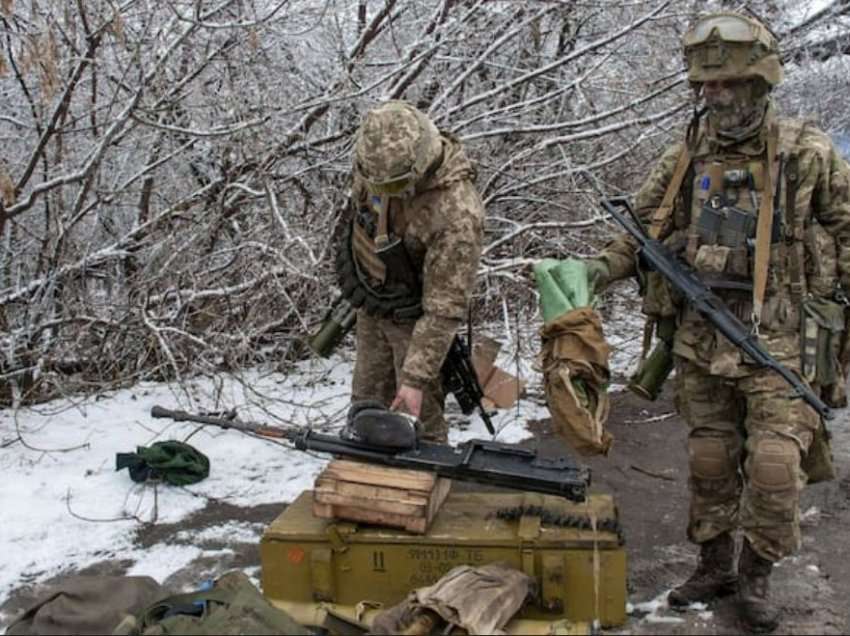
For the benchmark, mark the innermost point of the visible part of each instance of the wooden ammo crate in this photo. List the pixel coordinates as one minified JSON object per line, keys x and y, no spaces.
{"x":393,"y":497}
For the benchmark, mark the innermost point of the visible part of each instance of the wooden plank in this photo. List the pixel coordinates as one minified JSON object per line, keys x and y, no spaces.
{"x":323,"y":511}
{"x":438,"y":496}
{"x":368,"y":493}
{"x":380,"y":475}
{"x":389,"y":506}
{"x":417,"y":525}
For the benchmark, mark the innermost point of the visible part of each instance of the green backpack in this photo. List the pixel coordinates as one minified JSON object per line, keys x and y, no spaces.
{"x":176,"y":463}
{"x":231,"y":606}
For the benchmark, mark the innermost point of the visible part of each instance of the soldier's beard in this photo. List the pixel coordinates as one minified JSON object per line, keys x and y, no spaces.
{"x":737,"y":113}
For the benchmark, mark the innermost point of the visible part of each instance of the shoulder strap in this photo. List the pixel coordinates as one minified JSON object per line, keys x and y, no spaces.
{"x":796,"y":268}
{"x":665,"y":210}
{"x":793,"y":233}
{"x":398,"y":211}
{"x":764,"y":226}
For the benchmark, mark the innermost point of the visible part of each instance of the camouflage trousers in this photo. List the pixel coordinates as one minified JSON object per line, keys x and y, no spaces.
{"x":381,"y":349}
{"x":744,"y":449}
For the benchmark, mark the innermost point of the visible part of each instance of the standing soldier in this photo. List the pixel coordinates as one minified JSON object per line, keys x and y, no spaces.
{"x":410,"y":258}
{"x":759,"y":206}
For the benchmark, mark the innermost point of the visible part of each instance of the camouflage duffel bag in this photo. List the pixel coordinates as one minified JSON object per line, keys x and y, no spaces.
{"x":232,"y":605}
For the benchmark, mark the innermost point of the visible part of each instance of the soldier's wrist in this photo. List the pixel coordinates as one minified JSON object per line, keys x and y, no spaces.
{"x":413,"y":381}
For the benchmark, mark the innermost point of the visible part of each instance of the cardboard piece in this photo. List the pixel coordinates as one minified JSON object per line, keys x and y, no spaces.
{"x":501,"y":389}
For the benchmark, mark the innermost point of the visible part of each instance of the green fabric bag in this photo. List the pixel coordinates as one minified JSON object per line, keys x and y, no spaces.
{"x":563,"y":286}
{"x":553,"y":300}
{"x":231,"y":606}
{"x":176,"y":463}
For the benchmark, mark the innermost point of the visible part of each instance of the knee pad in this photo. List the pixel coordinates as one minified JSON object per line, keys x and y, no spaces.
{"x":710,"y":458}
{"x":774,"y":464}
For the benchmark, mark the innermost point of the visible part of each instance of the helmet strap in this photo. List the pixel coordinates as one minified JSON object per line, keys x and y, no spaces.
{"x":693,"y":126}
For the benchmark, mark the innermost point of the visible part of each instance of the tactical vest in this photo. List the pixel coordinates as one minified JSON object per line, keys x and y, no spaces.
{"x":374,"y":269}
{"x":714,"y":228}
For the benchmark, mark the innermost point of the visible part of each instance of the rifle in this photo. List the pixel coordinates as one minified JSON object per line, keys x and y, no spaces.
{"x":480,"y":461}
{"x":659,"y":258}
{"x":461,"y":380}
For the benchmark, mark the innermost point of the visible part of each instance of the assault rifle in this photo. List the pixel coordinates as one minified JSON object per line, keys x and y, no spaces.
{"x":660,"y":259}
{"x":461,"y":380}
{"x":480,"y":461}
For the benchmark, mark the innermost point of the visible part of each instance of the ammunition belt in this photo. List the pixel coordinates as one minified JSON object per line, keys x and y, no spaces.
{"x":403,"y":305}
{"x":550,"y":518}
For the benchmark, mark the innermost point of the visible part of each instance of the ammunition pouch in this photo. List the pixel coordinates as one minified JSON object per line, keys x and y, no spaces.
{"x":817,"y":462}
{"x":822,"y":336}
{"x":398,"y":298}
{"x":726,"y":225}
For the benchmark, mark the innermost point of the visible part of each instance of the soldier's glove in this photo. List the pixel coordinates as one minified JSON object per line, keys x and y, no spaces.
{"x":598,"y":274}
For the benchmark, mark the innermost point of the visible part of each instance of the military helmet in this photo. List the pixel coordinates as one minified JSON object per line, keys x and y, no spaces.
{"x":728,"y":45}
{"x":394,"y":147}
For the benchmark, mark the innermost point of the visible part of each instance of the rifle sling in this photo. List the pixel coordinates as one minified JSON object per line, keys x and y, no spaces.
{"x":665,"y":210}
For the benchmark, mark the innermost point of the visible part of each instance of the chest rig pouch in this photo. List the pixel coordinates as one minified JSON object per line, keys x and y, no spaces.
{"x":721,"y":243}
{"x":374,"y":269}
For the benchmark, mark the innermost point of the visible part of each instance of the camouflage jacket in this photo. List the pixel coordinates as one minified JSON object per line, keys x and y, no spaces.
{"x":815,"y":181}
{"x":443,"y":234}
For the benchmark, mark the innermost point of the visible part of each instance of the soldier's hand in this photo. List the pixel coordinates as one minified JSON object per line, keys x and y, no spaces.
{"x":408,"y":400}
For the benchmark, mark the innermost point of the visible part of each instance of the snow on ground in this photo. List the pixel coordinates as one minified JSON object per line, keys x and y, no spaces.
{"x":67,"y":507}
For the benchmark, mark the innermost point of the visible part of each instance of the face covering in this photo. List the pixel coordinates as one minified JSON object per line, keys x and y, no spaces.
{"x":736,"y":111}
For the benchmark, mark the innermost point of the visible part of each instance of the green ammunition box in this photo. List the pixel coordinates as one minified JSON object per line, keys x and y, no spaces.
{"x":580,"y":571}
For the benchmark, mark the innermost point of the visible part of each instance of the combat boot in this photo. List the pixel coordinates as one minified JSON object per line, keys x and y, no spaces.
{"x":757,"y":612}
{"x":715,"y":574}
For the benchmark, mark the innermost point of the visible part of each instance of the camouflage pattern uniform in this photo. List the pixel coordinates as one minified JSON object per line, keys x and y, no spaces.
{"x":440,"y":221}
{"x":747,"y":437}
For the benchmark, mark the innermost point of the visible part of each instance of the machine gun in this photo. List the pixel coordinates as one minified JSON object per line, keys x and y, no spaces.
{"x":660,"y":259}
{"x":480,"y":461}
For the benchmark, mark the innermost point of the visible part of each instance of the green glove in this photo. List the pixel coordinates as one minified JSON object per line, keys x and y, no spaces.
{"x":598,"y":274}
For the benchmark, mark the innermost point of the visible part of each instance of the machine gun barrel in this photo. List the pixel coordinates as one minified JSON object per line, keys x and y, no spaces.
{"x":660,"y":259}
{"x":485,"y":462}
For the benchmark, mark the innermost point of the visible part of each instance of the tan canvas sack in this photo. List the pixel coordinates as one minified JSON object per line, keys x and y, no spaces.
{"x":574,"y":362}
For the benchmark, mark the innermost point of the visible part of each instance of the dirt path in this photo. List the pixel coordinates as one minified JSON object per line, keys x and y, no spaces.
{"x":647,"y":473}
